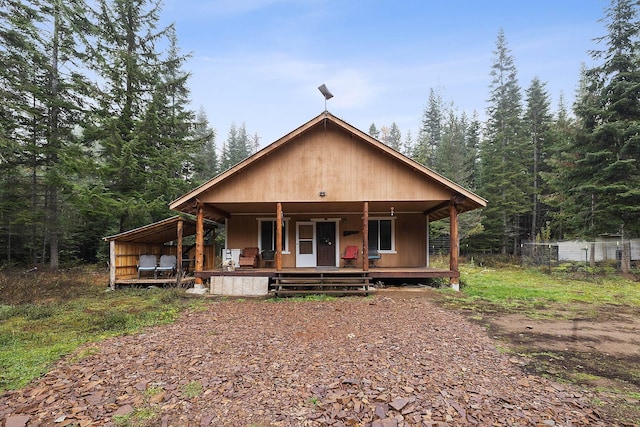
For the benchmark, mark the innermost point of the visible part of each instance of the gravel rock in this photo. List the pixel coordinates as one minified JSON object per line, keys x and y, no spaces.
{"x":347,"y":362}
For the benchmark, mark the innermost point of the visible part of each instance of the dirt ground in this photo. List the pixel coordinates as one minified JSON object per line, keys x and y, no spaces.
{"x":597,"y":349}
{"x":397,"y":359}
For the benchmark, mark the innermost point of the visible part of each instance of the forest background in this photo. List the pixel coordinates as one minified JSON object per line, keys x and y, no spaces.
{"x":97,"y":136}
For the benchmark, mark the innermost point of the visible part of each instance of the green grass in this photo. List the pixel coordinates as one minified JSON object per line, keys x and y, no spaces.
{"x":192,"y":389}
{"x":510,"y":289}
{"x":66,"y":311}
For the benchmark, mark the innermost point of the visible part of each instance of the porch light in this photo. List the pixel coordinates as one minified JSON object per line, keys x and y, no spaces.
{"x":392,"y":211}
{"x":322,"y":193}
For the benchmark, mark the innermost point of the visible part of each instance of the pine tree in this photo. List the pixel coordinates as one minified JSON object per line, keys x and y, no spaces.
{"x":538,"y":122}
{"x":407,"y":145}
{"x":604,"y":190}
{"x":166,"y":131}
{"x":207,"y":160}
{"x":373,"y":131}
{"x":44,"y":92}
{"x":21,"y":58}
{"x":560,"y":162}
{"x":395,"y":137}
{"x":503,"y":178}
{"x":131,"y":72}
{"x":237,"y":147}
{"x":430,"y":134}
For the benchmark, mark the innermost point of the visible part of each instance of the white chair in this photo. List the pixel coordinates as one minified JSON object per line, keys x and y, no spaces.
{"x":167,"y":264}
{"x":147,"y":263}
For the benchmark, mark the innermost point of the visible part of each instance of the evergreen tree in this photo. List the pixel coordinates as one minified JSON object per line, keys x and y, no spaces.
{"x":134,"y":86}
{"x":407,"y":145}
{"x":373,"y":131}
{"x":237,"y":147}
{"x":43,"y":91}
{"x":21,"y":59}
{"x":430,"y":134}
{"x":395,"y":137}
{"x":538,"y":121}
{"x":604,"y":193}
{"x":207,"y":160}
{"x":472,"y":144}
{"x":503,"y":177}
{"x":560,"y":161}
{"x":166,"y":132}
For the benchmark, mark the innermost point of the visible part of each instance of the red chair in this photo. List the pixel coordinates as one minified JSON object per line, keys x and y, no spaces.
{"x":350,"y":256}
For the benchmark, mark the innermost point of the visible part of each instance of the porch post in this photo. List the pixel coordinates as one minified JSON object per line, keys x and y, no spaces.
{"x":179,"y":231}
{"x":453,"y":245}
{"x":428,"y":258}
{"x":199,"y":241}
{"x":279,"y":237}
{"x":365,"y":236}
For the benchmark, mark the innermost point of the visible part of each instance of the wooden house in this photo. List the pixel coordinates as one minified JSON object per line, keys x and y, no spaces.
{"x":321,"y":188}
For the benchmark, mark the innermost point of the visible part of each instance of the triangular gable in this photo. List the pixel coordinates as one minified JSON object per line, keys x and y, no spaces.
{"x":327,"y":155}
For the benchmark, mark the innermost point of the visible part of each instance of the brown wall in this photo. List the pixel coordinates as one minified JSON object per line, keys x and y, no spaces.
{"x":410,"y":234}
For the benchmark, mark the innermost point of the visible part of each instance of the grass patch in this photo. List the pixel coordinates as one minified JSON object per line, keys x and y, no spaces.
{"x":514,"y":289}
{"x":192,"y":389}
{"x":45,"y":316}
{"x":140,"y":417}
{"x":306,"y":298}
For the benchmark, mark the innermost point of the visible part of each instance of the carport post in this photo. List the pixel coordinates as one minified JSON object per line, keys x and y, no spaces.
{"x":179,"y":232}
{"x":453,"y":245}
{"x":112,"y":264}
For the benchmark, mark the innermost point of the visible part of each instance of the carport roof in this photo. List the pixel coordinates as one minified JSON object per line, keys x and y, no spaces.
{"x":162,"y":231}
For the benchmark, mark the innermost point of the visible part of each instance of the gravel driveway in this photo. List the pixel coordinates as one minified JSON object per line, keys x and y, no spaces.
{"x":378,"y":361}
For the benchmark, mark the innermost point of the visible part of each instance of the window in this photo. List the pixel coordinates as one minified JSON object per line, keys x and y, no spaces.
{"x":382,"y":235}
{"x":267,"y":234}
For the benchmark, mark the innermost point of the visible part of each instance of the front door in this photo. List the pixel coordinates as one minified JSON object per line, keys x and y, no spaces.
{"x":305,"y":244}
{"x":326,"y":240}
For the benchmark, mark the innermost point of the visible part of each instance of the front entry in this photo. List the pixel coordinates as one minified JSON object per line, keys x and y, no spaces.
{"x":305,"y":244}
{"x":326,"y":243}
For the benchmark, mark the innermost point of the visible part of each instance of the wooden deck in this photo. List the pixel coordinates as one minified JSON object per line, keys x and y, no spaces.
{"x":330,"y":280}
{"x":150,"y":281}
{"x":375,"y":273}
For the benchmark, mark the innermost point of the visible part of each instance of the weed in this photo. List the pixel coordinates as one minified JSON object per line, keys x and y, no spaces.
{"x":140,"y":417}
{"x":192,"y":389}
{"x":152,"y":391}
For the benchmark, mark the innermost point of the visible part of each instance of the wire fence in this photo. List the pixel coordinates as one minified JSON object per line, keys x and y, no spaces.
{"x":624,"y":255}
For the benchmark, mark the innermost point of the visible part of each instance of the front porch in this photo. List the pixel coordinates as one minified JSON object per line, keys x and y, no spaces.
{"x":317,"y":280}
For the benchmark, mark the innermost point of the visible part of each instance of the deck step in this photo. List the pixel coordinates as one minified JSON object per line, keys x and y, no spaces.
{"x":326,"y":282}
{"x":291,"y":292}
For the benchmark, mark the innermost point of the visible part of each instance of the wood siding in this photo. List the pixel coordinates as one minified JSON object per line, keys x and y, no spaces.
{"x":331,"y":160}
{"x":128,"y":254}
{"x":410,"y":237}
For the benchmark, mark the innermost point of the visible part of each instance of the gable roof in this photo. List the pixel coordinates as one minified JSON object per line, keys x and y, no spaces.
{"x":429,"y":185}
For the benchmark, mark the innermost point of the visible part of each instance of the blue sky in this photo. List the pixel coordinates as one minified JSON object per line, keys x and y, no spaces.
{"x":260,"y":61}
